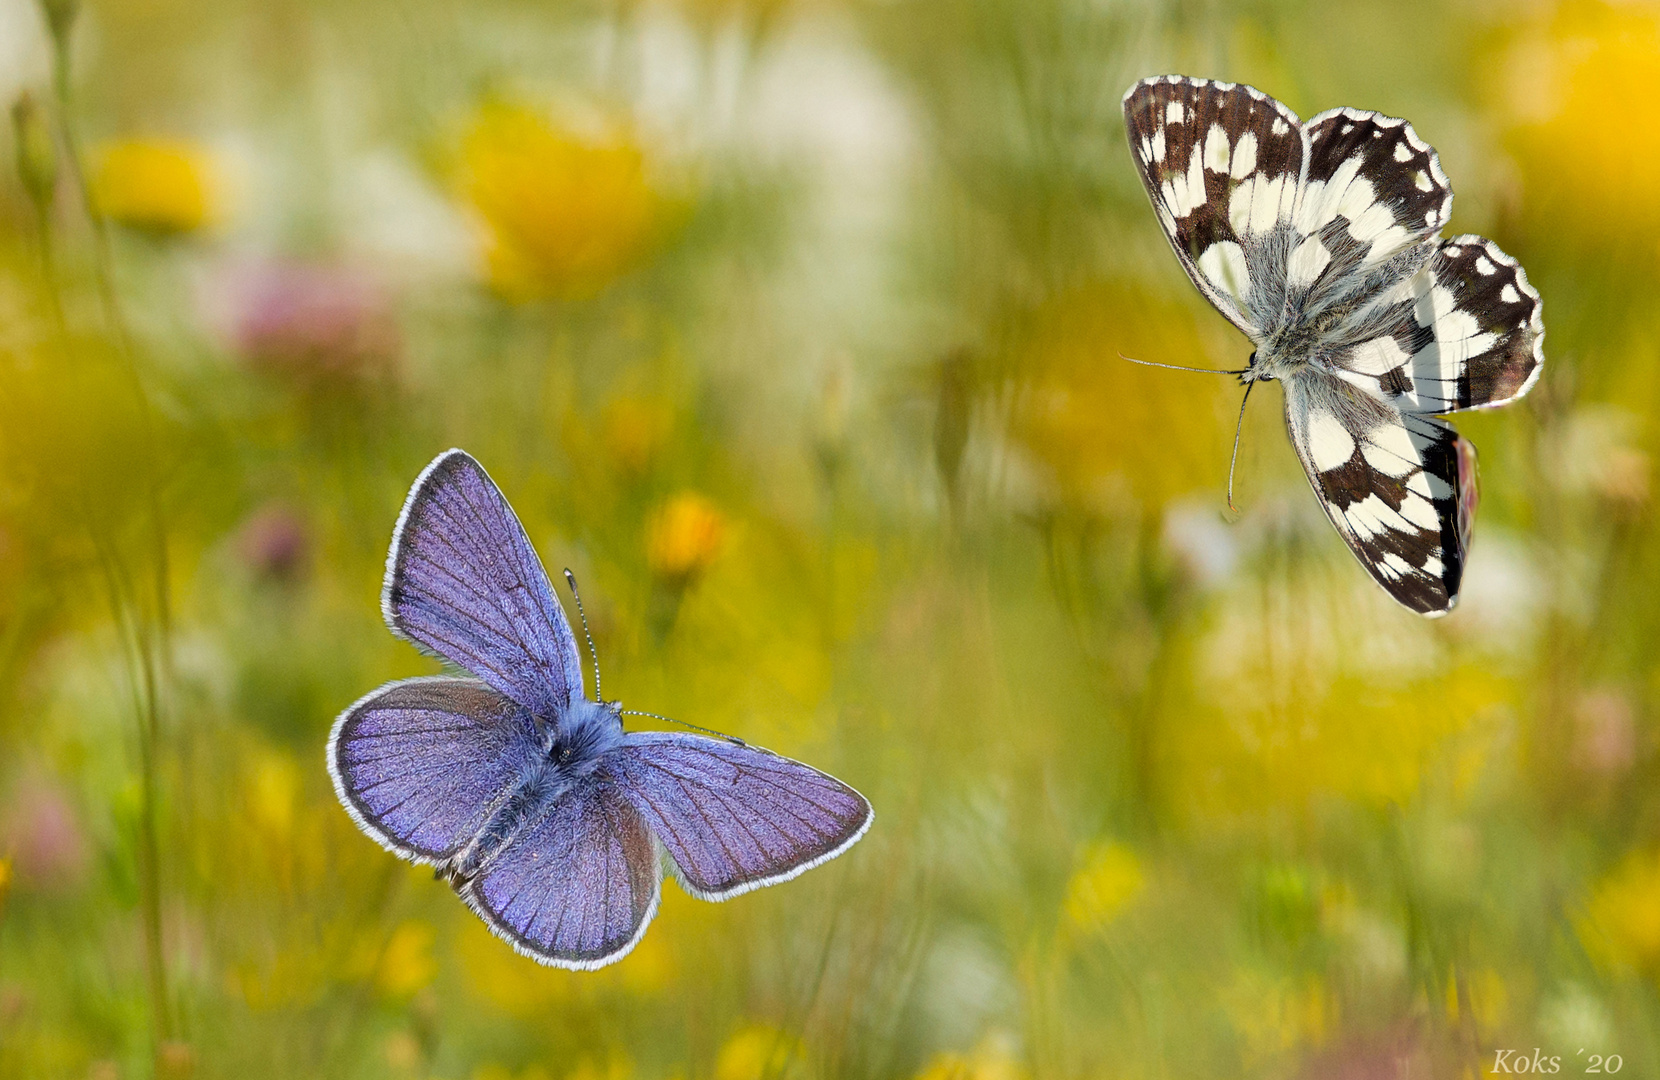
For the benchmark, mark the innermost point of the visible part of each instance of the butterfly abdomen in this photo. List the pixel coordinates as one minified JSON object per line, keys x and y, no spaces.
{"x":538,"y":788}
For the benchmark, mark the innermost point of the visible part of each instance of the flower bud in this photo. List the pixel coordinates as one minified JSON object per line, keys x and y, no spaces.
{"x":60,"y":18}
{"x":684,"y":537}
{"x":37,"y":156}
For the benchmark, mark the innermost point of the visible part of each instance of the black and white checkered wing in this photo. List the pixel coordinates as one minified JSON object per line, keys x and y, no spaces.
{"x":1373,"y":192}
{"x":1399,"y":487}
{"x":1321,"y":241}
{"x":1465,"y":332}
{"x":1222,"y":164}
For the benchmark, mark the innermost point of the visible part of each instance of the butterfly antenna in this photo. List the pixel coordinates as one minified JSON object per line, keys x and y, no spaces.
{"x":1232,"y":461}
{"x":682,"y":723}
{"x":1177,"y":367}
{"x":593,"y":654}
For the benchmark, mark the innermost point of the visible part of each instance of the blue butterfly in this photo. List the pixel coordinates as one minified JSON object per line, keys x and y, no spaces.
{"x":548,"y":819}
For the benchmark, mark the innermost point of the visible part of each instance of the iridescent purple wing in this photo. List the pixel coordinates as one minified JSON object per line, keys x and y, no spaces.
{"x":735,"y":818}
{"x":463,"y":581}
{"x":419,"y":764}
{"x":577,"y":888}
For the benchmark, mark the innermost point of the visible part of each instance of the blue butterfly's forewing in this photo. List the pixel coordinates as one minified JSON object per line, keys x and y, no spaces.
{"x":576,"y":887}
{"x":732,"y":817}
{"x":463,"y":580}
{"x":421,"y":762}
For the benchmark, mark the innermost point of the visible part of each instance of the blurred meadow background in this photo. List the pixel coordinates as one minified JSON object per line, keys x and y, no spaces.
{"x":790,"y":326}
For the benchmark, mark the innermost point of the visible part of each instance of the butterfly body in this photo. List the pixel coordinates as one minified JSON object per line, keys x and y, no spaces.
{"x":1320,"y":241}
{"x":528,"y":797}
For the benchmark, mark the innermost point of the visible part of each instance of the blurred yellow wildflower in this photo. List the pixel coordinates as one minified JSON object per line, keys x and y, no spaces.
{"x":1274,"y":1014}
{"x":992,"y":1059}
{"x":634,"y":430}
{"x":156,"y":185}
{"x":1349,"y":735}
{"x":520,"y":988}
{"x":684,"y":537}
{"x":1620,"y":925}
{"x":759,"y":1052}
{"x":1096,"y":425}
{"x":616,"y":1067}
{"x":5,"y":879}
{"x":406,"y":964}
{"x":507,"y":980}
{"x":272,"y":792}
{"x":1484,"y":994}
{"x":1562,"y":80}
{"x":294,"y":974}
{"x":563,"y":213}
{"x":1108,"y":877}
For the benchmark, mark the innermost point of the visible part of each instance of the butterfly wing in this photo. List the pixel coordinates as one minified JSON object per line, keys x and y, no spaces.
{"x":734,"y":817}
{"x":463,"y":580}
{"x":1400,"y":488}
{"x":419,"y":764}
{"x":577,"y":888}
{"x":1222,"y":164}
{"x":1373,"y":192}
{"x":1465,"y":332}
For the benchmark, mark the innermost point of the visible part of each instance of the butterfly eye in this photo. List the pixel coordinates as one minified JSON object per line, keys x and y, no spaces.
{"x":1252,"y":362}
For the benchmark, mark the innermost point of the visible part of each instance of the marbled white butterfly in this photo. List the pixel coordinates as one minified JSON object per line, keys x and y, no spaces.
{"x":1320,"y":242}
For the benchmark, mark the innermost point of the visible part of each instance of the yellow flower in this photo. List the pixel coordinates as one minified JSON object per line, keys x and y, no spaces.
{"x":516,"y":986}
{"x":5,"y":879}
{"x":1108,"y":877}
{"x":1620,"y":926}
{"x":634,"y":430}
{"x":157,"y":185}
{"x":758,"y":1052}
{"x":294,"y":974}
{"x":406,"y":965}
{"x":1562,"y":81}
{"x":1274,"y":1014}
{"x":1484,"y":992}
{"x":272,"y":793}
{"x":1273,"y":737}
{"x":616,"y":1067}
{"x":991,"y":1060}
{"x":563,"y":214}
{"x":1098,"y":427}
{"x":684,"y":537}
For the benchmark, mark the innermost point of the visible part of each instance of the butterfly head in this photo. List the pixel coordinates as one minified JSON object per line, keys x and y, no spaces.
{"x":585,"y":733}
